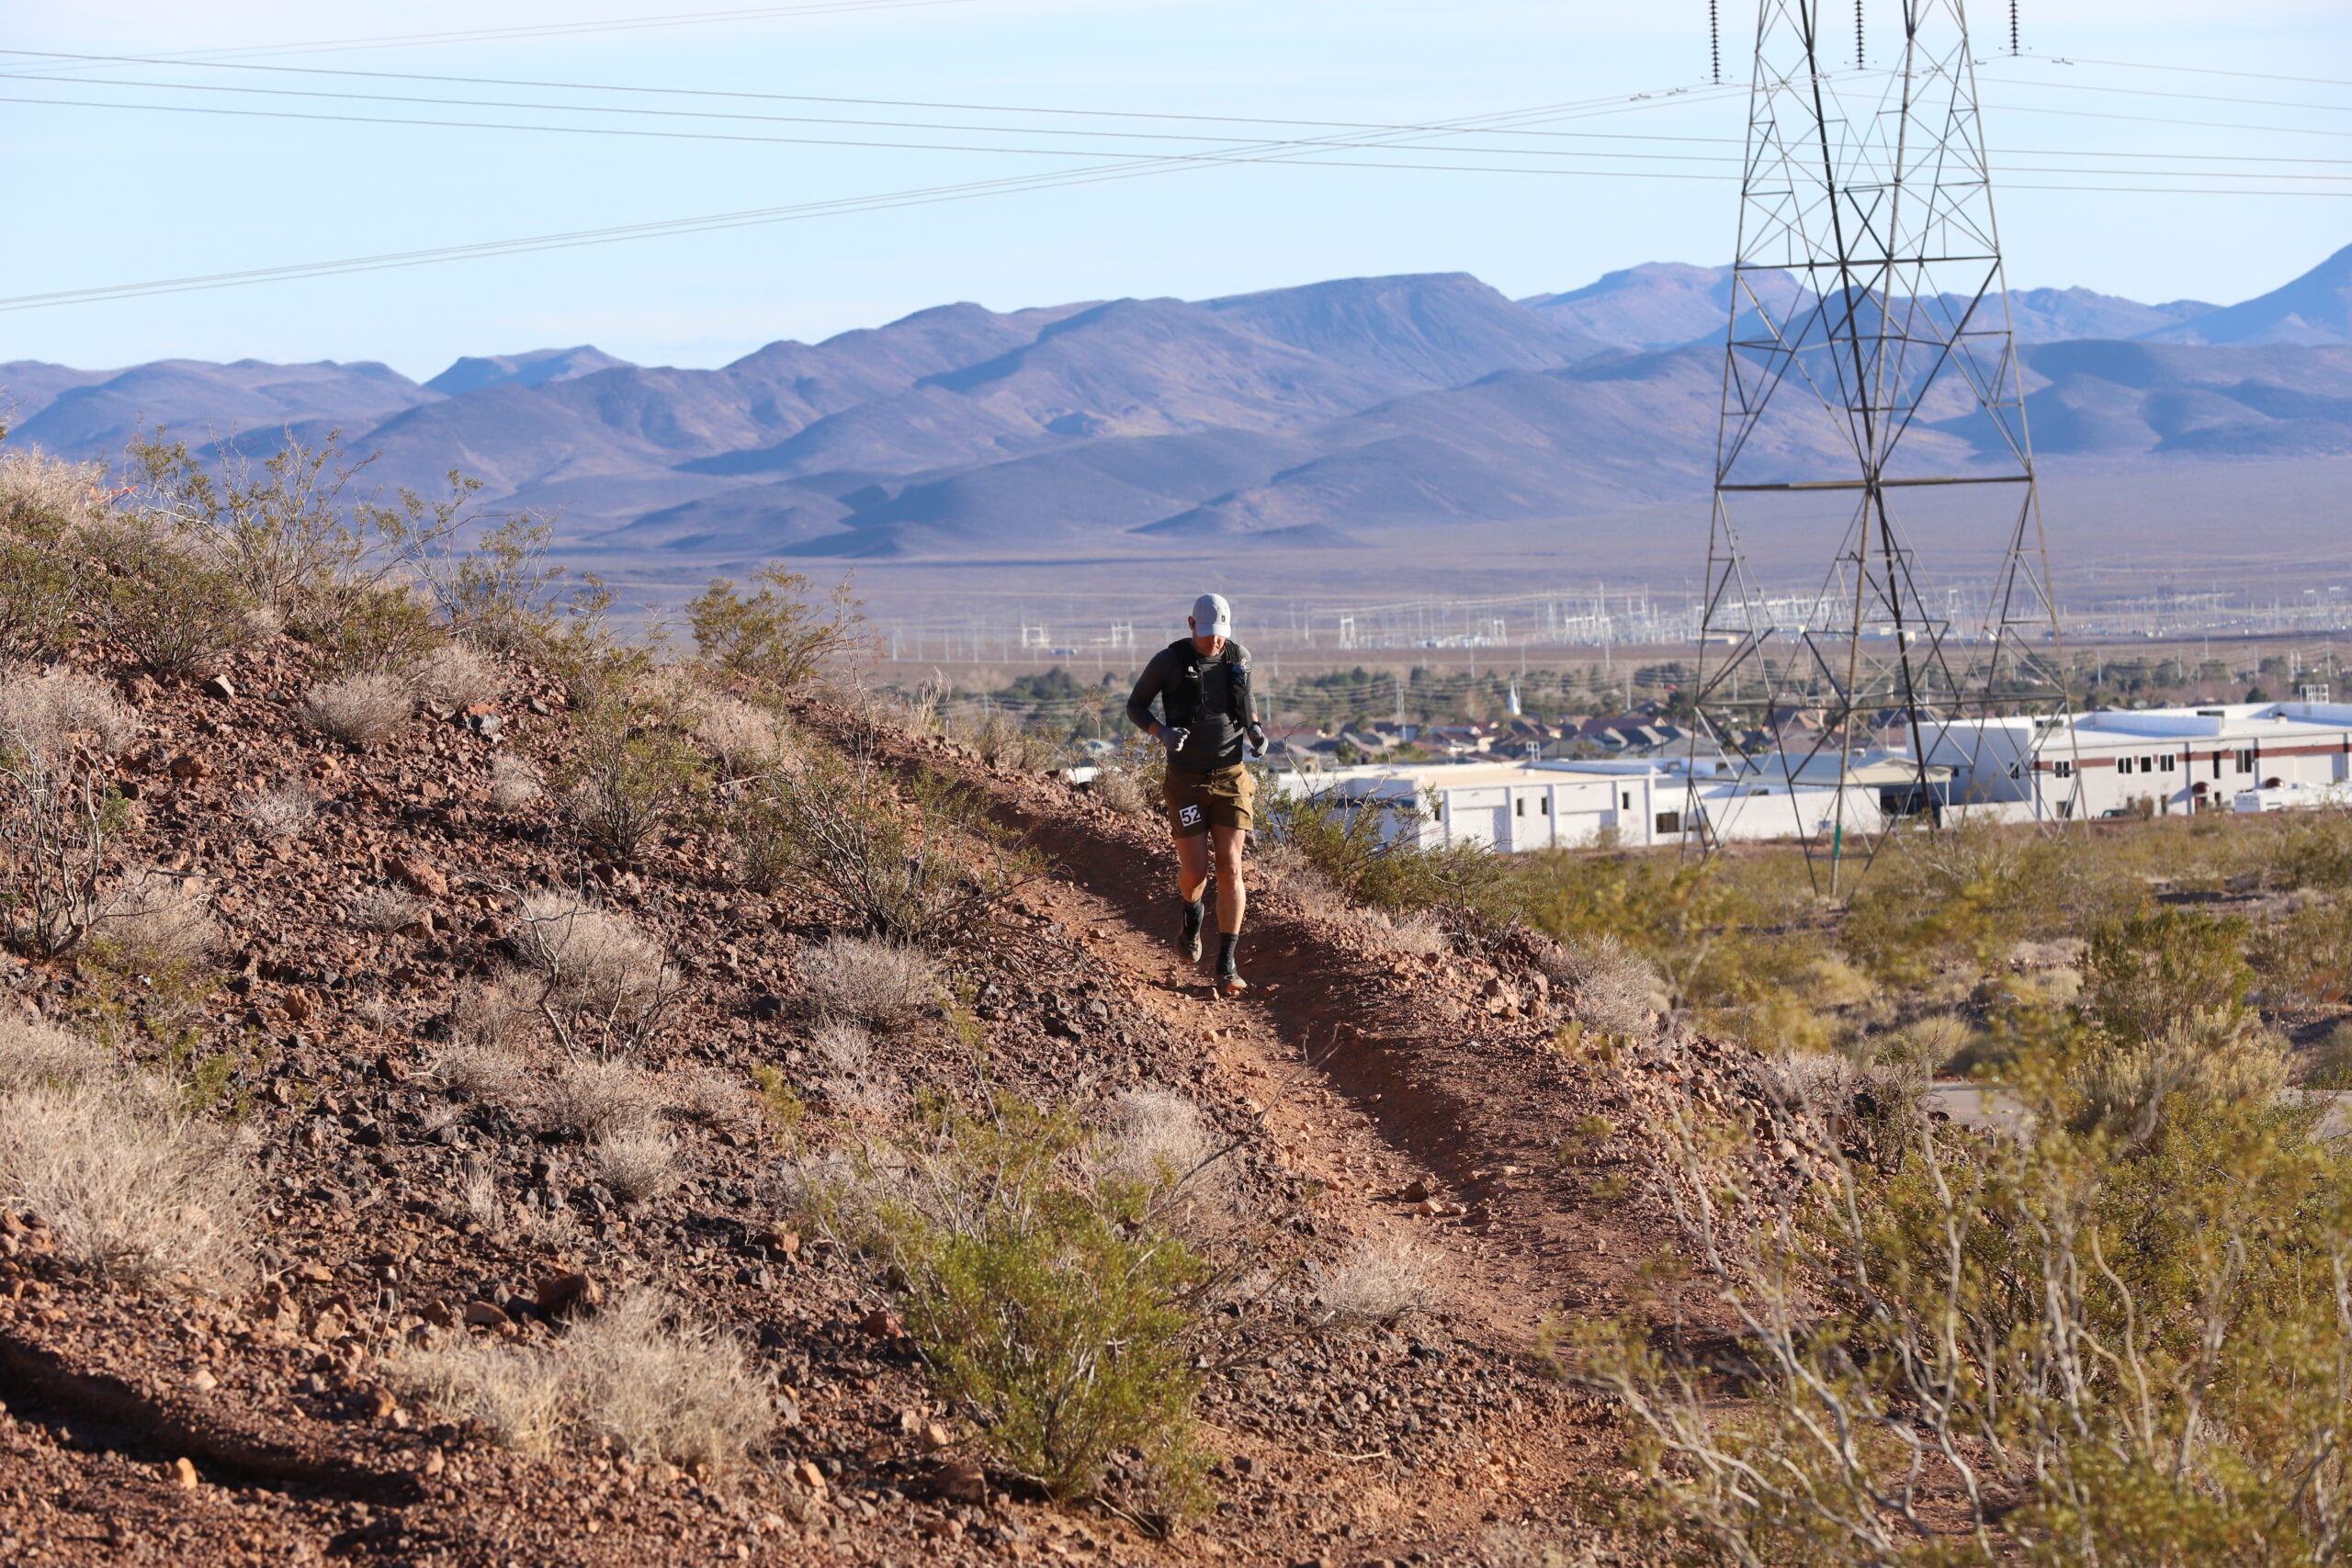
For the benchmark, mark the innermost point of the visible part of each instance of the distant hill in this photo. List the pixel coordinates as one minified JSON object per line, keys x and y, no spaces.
{"x":1317,"y":417}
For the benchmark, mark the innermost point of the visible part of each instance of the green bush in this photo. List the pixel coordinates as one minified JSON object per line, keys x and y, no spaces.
{"x":916,"y":860}
{"x":1346,"y":845}
{"x":2146,"y":973}
{"x":777,"y":636}
{"x":2061,"y":1347}
{"x":1056,"y":1314}
{"x":627,"y":781}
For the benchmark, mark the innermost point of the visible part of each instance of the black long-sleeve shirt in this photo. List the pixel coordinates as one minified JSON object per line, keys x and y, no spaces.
{"x":1217,"y":738}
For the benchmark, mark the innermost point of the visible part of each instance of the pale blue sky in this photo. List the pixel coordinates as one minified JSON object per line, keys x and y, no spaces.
{"x":106,"y":196}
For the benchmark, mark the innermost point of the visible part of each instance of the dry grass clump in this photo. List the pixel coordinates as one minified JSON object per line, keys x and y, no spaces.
{"x":705,"y":1097}
{"x":454,"y":675}
{"x":285,"y":812}
{"x":855,"y":1082}
{"x":1414,"y":933}
{"x":598,"y":1099}
{"x":384,"y":910}
{"x":158,"y":921}
{"x":1158,"y":1139}
{"x":484,"y":1072}
{"x":62,"y":709}
{"x":637,"y":1164}
{"x":639,"y":1377}
{"x":37,"y":488}
{"x":591,"y":959}
{"x":363,"y":710}
{"x":1609,"y":987}
{"x":881,"y":983}
{"x":133,"y":1187}
{"x":514,"y":782}
{"x":37,"y":1055}
{"x":1380,"y":1280}
{"x":497,"y":1014}
{"x":741,"y":738}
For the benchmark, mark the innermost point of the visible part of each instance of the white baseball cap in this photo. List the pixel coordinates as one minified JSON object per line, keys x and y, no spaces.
{"x":1212,"y":616}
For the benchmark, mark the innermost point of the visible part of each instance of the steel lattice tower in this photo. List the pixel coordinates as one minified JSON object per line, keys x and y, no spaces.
{"x":1871,"y":387}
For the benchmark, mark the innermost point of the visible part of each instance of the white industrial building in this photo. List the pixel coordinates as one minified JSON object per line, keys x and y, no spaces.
{"x":2154,"y":762}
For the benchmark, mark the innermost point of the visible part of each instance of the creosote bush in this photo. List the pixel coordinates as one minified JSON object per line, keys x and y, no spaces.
{"x":777,"y":636}
{"x":923,"y":864}
{"x":1056,"y":1314}
{"x":1347,"y":848}
{"x":632,"y":774}
{"x":639,"y":1378}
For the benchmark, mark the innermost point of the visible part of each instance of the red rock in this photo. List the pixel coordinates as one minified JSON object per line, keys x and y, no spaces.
{"x":218,"y":688}
{"x":417,"y":876}
{"x":959,"y":1481}
{"x":188,"y":767}
{"x":184,"y":1474}
{"x":481,"y":1314}
{"x":567,"y":1295}
{"x":882,"y":1325}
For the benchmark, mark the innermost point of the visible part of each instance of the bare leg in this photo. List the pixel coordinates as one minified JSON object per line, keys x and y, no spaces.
{"x":1193,"y":866}
{"x":1232,"y":898}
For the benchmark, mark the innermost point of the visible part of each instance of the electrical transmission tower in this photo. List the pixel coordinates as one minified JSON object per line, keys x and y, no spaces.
{"x":1872,"y":418}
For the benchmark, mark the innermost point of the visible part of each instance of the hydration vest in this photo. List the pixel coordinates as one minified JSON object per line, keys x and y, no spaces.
{"x":1184,"y":695}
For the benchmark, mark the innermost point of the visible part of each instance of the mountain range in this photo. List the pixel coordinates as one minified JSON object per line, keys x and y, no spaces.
{"x":1315,"y":417}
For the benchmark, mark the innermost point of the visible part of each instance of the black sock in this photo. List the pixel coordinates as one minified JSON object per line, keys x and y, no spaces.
{"x":1195,"y":913}
{"x":1226,"y":942}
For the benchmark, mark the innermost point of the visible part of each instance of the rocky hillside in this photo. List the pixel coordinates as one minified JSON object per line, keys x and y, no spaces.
{"x":403,"y":1158}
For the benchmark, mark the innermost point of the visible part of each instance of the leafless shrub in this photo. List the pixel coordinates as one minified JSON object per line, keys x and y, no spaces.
{"x":598,"y":1099}
{"x":159,"y":921}
{"x":638,"y":1377}
{"x":384,"y":910}
{"x":1380,"y":1280}
{"x":514,"y":782}
{"x":454,"y":675}
{"x":37,"y":1055}
{"x":743,"y":739}
{"x":1126,"y":777}
{"x":1608,"y":987}
{"x":881,"y":983}
{"x":131,"y":1188}
{"x":61,"y":709}
{"x":285,"y":812}
{"x":638,"y":1165}
{"x":596,"y":971}
{"x":363,"y":710}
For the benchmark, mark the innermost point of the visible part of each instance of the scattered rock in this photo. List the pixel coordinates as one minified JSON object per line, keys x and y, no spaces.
{"x":569,"y":1296}
{"x":880,"y":1323}
{"x":188,"y":767}
{"x":218,"y":688}
{"x":184,"y":1474}
{"x":959,"y":1481}
{"x":416,"y":876}
{"x":481,"y":1314}
{"x":767,"y":1006}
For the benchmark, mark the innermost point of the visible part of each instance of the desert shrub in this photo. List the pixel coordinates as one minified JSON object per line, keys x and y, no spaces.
{"x":61,"y":710}
{"x":151,"y":591}
{"x":778,"y":636}
{"x":1344,"y":843}
{"x":514,"y":782}
{"x":482,"y":1071}
{"x":285,"y":812}
{"x":742,"y":736}
{"x":296,"y":537}
{"x":1004,"y":741}
{"x":2144,"y":973}
{"x":2066,"y":1346}
{"x":855,"y":1082}
{"x":626,"y":781}
{"x":1379,"y":1279}
{"x":454,"y":675}
{"x":1964,"y":894}
{"x":132,"y":1188}
{"x":63,"y":823}
{"x":1159,"y":1140}
{"x":2306,"y":954}
{"x":384,"y":910}
{"x":925,"y":869}
{"x":882,"y":984}
{"x":1055,"y":1314}
{"x":638,"y":1377}
{"x":43,"y":501}
{"x":705,"y":1097}
{"x":594,"y":978}
{"x":497,"y":593}
{"x":637,"y":1164}
{"x":363,"y":710}
{"x":2315,"y":851}
{"x":597,"y":1100}
{"x":501,"y":1012}
{"x":2331,"y":1064}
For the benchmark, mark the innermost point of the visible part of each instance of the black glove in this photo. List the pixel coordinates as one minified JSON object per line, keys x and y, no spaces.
{"x":1173,"y":737}
{"x":1257,"y":739}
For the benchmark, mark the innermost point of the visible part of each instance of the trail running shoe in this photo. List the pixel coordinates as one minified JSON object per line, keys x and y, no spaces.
{"x":1231,"y":984}
{"x":1189,"y":944}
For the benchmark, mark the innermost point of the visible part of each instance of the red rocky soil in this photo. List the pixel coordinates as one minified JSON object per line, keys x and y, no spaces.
{"x":1367,"y":1092}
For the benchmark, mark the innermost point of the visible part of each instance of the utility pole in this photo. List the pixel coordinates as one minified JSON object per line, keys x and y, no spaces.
{"x":1868,"y":281}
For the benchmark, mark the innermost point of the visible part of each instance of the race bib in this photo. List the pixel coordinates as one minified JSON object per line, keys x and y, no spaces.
{"x":1189,"y":815}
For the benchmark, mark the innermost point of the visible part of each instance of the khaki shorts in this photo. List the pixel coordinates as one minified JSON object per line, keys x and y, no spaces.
{"x":1198,"y":802}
